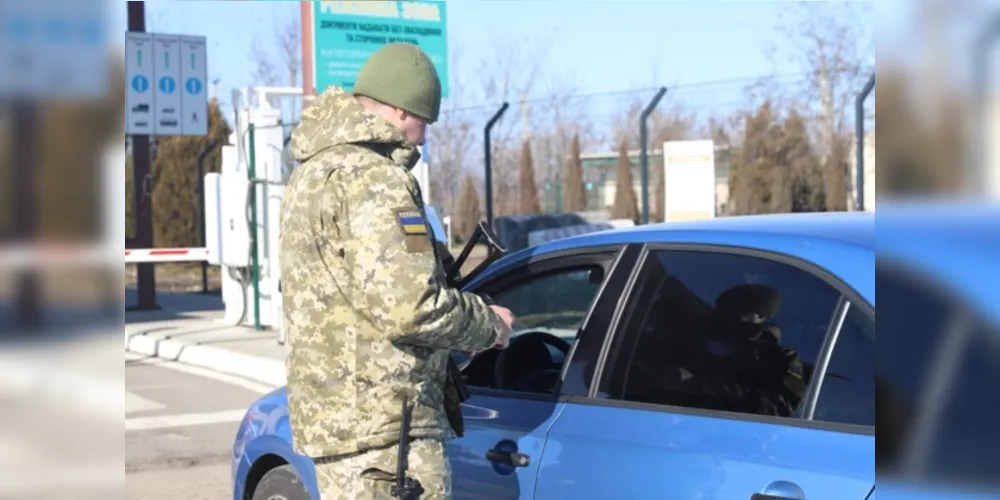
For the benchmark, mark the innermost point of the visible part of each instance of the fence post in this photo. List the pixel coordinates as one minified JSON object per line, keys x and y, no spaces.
{"x":201,"y":207}
{"x":644,"y":158}
{"x":254,"y":264}
{"x":859,"y":130}
{"x":489,"y":161}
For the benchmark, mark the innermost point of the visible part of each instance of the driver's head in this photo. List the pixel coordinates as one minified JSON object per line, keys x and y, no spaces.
{"x":399,"y":83}
{"x":748,"y":303}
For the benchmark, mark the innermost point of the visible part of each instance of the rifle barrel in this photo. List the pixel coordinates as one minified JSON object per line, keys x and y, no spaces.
{"x":404,"y":445}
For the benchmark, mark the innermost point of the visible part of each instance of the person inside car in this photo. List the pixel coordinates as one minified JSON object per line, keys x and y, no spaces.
{"x":732,"y":362}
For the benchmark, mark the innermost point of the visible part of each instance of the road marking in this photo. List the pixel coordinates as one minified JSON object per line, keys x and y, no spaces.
{"x":185,"y":420}
{"x":203,"y":372}
{"x":135,"y":403}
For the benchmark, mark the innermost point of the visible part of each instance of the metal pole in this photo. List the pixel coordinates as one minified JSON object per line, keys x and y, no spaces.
{"x":254,"y":263}
{"x":644,"y":159}
{"x":976,"y":166}
{"x":489,"y":161}
{"x":859,"y":130}
{"x":141,"y":161}
{"x":307,"y":38}
{"x":29,"y":307}
{"x":201,"y":207}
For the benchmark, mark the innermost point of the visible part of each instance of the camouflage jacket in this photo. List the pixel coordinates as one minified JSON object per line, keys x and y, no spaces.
{"x":368,"y":315}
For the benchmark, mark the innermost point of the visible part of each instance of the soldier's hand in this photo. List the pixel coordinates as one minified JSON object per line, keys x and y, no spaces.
{"x":507,"y":317}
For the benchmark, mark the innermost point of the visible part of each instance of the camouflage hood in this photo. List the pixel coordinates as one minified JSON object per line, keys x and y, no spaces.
{"x":336,"y":118}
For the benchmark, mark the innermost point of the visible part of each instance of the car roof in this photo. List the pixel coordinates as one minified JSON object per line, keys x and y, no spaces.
{"x":844,"y":243}
{"x":857,"y":229}
{"x":953,"y":243}
{"x":841,"y":243}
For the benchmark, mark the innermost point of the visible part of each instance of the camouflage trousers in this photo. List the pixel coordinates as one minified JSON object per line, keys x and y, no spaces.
{"x":370,"y":475}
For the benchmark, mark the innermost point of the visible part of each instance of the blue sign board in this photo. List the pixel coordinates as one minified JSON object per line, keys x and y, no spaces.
{"x":346,"y":33}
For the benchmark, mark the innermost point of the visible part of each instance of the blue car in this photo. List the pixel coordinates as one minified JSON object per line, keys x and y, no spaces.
{"x":732,"y":358}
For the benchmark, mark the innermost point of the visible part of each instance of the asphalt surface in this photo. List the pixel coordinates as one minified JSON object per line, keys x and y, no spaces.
{"x":179,"y":427}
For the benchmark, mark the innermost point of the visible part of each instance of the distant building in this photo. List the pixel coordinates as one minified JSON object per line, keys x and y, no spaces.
{"x":869,"y":177}
{"x":599,"y":177}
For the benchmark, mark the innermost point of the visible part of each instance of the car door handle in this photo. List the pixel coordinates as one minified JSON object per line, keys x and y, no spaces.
{"x":511,"y":458}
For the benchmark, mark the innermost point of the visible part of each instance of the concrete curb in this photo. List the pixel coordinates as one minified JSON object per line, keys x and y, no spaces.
{"x":256,"y":368}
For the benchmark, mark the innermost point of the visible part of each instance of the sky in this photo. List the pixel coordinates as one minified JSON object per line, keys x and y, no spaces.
{"x":585,"y":46}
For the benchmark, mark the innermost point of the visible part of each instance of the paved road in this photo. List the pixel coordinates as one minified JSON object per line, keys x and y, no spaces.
{"x":179,"y":427}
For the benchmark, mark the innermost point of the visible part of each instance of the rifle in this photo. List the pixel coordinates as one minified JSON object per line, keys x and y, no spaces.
{"x":407,"y":488}
{"x":495,"y":250}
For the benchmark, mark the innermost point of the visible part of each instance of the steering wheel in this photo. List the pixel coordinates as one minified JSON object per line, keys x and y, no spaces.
{"x":520,"y":347}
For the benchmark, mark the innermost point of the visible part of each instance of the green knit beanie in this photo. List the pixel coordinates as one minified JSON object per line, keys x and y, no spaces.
{"x":401,"y":75}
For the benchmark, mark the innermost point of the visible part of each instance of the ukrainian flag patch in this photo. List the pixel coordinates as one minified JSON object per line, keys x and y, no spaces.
{"x":411,"y":222}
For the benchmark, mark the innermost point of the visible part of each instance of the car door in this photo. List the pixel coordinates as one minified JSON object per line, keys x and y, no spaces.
{"x":708,"y":383}
{"x":505,"y":428}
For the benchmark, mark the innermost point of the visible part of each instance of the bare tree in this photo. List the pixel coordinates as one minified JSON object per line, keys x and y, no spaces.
{"x":758,"y":181}
{"x":626,"y":202}
{"x":574,"y":194}
{"x":808,"y":191}
{"x":559,"y":116}
{"x":452,"y":143}
{"x":278,"y":57}
{"x":505,"y":76}
{"x":469,"y":208}
{"x":528,"y":190}
{"x":918,"y":157}
{"x":836,"y":51}
{"x":669,"y":121}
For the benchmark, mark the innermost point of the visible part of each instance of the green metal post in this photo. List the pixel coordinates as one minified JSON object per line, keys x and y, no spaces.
{"x":254,"y":263}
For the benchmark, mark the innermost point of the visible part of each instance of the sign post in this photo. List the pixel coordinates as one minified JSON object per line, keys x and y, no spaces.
{"x":141,"y":161}
{"x":165,"y":81}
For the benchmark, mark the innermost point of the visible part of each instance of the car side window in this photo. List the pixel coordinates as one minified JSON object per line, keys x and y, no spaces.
{"x":720,"y":331}
{"x":935,"y":382}
{"x":913,"y":317}
{"x":555,"y":302}
{"x":848,"y":392}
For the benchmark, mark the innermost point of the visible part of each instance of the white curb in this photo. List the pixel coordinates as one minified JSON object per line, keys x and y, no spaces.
{"x":256,"y":368}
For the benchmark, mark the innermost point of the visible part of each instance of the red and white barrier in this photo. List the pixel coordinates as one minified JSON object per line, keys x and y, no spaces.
{"x":48,"y":256}
{"x":147,"y":255}
{"x":54,"y":256}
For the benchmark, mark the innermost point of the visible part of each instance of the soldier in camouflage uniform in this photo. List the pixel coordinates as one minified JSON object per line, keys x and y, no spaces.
{"x":369,"y":317}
